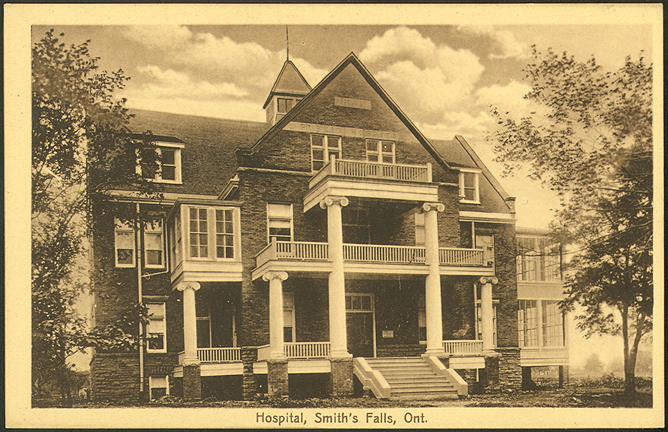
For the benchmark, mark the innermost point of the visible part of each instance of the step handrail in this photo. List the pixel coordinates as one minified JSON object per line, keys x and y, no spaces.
{"x":371,"y":379}
{"x":450,"y":374}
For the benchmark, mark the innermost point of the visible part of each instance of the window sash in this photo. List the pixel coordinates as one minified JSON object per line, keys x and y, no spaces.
{"x":155,"y":386}
{"x":154,"y":244}
{"x":469,"y":186}
{"x":553,"y":324}
{"x":198,"y":232}
{"x":156,"y":327}
{"x":528,"y":317}
{"x":322,"y":148}
{"x":380,"y":151}
{"x":289,"y":327}
{"x":419,"y":229}
{"x":167,"y":165}
{"x":124,"y":244}
{"x":224,"y":233}
{"x":279,"y":222}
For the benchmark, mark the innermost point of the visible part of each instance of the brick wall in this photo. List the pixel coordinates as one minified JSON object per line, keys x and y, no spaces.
{"x":115,"y":377}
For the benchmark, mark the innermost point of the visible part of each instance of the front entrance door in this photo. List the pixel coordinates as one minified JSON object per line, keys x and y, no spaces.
{"x":360,"y":324}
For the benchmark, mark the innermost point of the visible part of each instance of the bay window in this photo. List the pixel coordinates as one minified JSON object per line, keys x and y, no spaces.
{"x":527,"y":323}
{"x":553,"y":324}
{"x":211,"y":233}
{"x":199,"y":233}
{"x":224,"y":233}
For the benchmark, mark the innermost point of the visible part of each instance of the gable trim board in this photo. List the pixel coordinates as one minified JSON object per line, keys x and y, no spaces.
{"x":353,"y":60}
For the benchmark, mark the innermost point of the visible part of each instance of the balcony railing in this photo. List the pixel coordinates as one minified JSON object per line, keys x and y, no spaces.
{"x":371,"y":253}
{"x":216,"y":355}
{"x":463,"y":347}
{"x":298,"y":350}
{"x":374,"y":170}
{"x":383,"y":253}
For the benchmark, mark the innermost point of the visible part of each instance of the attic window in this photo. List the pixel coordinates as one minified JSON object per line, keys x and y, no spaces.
{"x":283,"y":105}
{"x":160,"y":163}
{"x":469,"y":186}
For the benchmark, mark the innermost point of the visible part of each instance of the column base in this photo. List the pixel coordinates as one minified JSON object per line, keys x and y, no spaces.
{"x":192,"y":382}
{"x":341,"y":381}
{"x":277,"y":378}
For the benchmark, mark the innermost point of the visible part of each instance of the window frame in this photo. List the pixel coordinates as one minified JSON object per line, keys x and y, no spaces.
{"x":524,"y":324}
{"x":164,"y":334}
{"x":419,"y":227}
{"x":558,"y":323}
{"x":131,"y":228}
{"x":286,"y":295}
{"x":325,"y":147}
{"x":162,"y":244}
{"x":211,"y":233}
{"x":279,"y":115}
{"x":158,"y":147}
{"x":379,"y":151}
{"x":463,"y":187}
{"x":269,"y":219}
{"x":226,"y":234}
{"x":151,"y":387}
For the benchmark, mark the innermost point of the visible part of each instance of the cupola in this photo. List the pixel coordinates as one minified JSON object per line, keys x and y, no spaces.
{"x":288,"y":89}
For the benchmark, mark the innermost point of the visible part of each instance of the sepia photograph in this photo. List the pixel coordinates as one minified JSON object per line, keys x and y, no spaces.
{"x":341,"y":223}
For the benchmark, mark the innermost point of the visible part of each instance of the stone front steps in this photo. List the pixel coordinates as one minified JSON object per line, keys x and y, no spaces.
{"x":412,"y":378}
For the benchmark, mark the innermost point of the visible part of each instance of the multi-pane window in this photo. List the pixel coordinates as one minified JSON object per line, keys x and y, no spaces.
{"x":356,"y":224}
{"x":156,"y":328}
{"x":553,"y":324}
{"x":358,"y":303}
{"x":279,"y":222}
{"x":538,"y":259}
{"x":158,"y":386}
{"x":283,"y":105}
{"x":154,"y":244}
{"x":527,"y":323}
{"x":124,"y":242}
{"x":380,"y":151}
{"x":322,"y":148}
{"x":469,"y":191}
{"x":161,"y":164}
{"x":224,"y":234}
{"x":419,"y":228}
{"x":176,"y":240}
{"x":199,"y":233}
{"x":479,"y":319}
{"x":289,"y":331}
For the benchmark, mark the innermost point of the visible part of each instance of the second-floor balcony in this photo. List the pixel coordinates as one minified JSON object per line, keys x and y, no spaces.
{"x":365,"y":179}
{"x":372,"y":258}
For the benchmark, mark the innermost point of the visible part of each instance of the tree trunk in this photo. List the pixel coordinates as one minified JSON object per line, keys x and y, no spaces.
{"x":629,"y":371}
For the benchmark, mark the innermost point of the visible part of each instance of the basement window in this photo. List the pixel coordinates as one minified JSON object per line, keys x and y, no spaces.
{"x":158,"y":386}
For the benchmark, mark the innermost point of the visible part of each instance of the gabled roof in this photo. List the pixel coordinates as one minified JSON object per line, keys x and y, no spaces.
{"x":357,"y":63}
{"x":289,"y":82}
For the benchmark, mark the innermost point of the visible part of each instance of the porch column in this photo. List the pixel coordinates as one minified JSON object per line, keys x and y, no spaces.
{"x":192,"y":384}
{"x":337,"y":287}
{"x":276,"y":341}
{"x":487,"y":312}
{"x":433,"y":309}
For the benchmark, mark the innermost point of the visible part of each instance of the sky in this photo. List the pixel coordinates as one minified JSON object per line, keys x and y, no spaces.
{"x":444,"y":77}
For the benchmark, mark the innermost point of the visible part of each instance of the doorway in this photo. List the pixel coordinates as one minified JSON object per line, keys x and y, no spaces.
{"x":361,"y":324}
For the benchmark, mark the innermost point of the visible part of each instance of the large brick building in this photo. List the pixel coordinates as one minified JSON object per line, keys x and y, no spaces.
{"x":330,"y":249}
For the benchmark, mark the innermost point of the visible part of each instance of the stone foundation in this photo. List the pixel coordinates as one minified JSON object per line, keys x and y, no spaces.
{"x":277,"y":378}
{"x":510,"y":372}
{"x":115,"y":377}
{"x":192,"y":382}
{"x":248,"y":382}
{"x":341,"y":381}
{"x":491,"y":372}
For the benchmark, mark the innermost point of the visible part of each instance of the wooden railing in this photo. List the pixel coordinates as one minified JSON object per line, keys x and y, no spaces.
{"x":372,"y":253}
{"x":216,"y":355}
{"x":366,"y":169}
{"x":297,"y":350}
{"x":383,"y":254}
{"x":462,"y":257}
{"x":468,"y":346}
{"x":307,"y":350}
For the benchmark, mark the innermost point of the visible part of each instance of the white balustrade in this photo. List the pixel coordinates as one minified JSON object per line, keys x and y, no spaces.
{"x":307,"y":350}
{"x":301,"y":250}
{"x":463,"y":346}
{"x":219,"y":355}
{"x":462,"y":257}
{"x":366,"y":169}
{"x":384,"y":254}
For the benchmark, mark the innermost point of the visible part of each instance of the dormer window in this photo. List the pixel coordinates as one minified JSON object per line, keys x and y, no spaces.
{"x":160,"y":163}
{"x":469,"y":186}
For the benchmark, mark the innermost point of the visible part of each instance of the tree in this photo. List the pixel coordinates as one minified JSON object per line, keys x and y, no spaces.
{"x":80,"y":150}
{"x":593,"y":147}
{"x":593,"y":365}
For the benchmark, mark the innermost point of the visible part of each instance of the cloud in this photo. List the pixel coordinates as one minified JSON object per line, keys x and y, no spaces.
{"x":170,"y":83}
{"x":158,"y":37}
{"x":426,"y":79}
{"x":505,"y":44}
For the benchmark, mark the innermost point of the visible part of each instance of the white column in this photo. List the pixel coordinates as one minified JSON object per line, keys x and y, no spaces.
{"x":276,"y":341}
{"x":337,"y":285}
{"x":433,"y":311}
{"x":487,"y":312}
{"x":189,"y":322}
